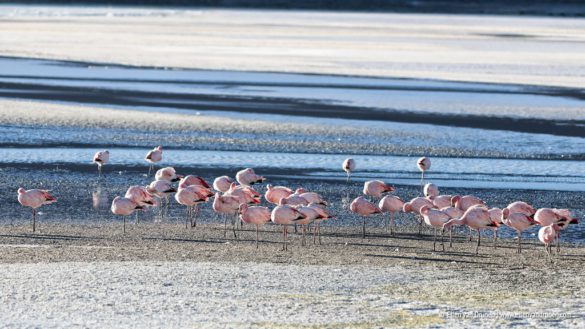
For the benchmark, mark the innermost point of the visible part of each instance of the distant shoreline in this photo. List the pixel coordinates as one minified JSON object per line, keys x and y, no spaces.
{"x":565,"y":8}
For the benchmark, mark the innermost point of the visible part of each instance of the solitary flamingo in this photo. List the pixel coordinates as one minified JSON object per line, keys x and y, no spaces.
{"x":256,"y":215}
{"x":375,"y":188}
{"x":519,"y":222}
{"x":436,"y":219}
{"x":546,"y":235}
{"x":222,"y":183}
{"x":248,"y":177}
{"x":152,"y":157}
{"x":476,"y":218}
{"x":167,"y":173}
{"x":285,"y":215}
{"x":34,"y":198}
{"x":101,"y":158}
{"x":191,"y":196}
{"x":275,"y":193}
{"x":226,"y":205}
{"x":348,"y":166}
{"x":124,"y":207}
{"x":364,"y":208}
{"x":391,"y":204}
{"x":423,"y":164}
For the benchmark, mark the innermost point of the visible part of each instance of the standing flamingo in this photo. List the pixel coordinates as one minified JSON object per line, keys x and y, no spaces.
{"x":364,"y":208}
{"x":226,"y":205}
{"x":101,"y":158}
{"x":245,"y":194}
{"x":546,"y":235}
{"x":285,"y":215}
{"x":391,"y":204}
{"x":191,"y":196}
{"x":34,"y":199}
{"x":275,"y":193}
{"x":162,"y":189}
{"x":348,"y":166}
{"x":436,"y":219}
{"x":124,"y":207}
{"x":476,"y":218}
{"x":521,"y":207}
{"x":423,"y":164}
{"x":415,"y":205}
{"x":193,"y":180}
{"x":222,"y":183}
{"x":441,"y":201}
{"x":311,"y":197}
{"x":375,"y":188}
{"x":323,"y":215}
{"x":167,"y":173}
{"x":519,"y":222}
{"x":248,"y":177}
{"x":254,"y":215}
{"x":453,"y":213}
{"x":152,"y":157}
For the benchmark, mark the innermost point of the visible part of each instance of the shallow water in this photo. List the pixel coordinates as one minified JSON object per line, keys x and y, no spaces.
{"x":447,"y":172}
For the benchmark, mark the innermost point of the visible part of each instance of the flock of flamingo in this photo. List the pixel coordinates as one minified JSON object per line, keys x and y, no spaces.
{"x":238,"y":199}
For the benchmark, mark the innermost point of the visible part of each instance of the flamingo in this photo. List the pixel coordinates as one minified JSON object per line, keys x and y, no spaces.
{"x":245,"y":194}
{"x":124,"y":207}
{"x":167,"y":173}
{"x":519,"y":222}
{"x":247,"y":177}
{"x":256,"y":215}
{"x":375,"y":188}
{"x":152,"y":157}
{"x":391,"y":204}
{"x":364,"y":208}
{"x":564,"y":217}
{"x":436,"y":219}
{"x":431,"y":191}
{"x":521,"y":207}
{"x":415,"y":205}
{"x":423,"y":164}
{"x":34,"y":199}
{"x":285,"y":215}
{"x":162,"y":189}
{"x":193,"y":180}
{"x":294,"y":200}
{"x":453,"y":213}
{"x":441,"y":201}
{"x":310,"y":214}
{"x":547,"y":234}
{"x":226,"y":205}
{"x":465,"y":202}
{"x":323,"y":215}
{"x":496,"y":217}
{"x":191,"y":196}
{"x":348,"y":166}
{"x":275,"y":193}
{"x":140,"y":195}
{"x":101,"y":158}
{"x":311,"y":197}
{"x":222,"y":183}
{"x":476,"y":218}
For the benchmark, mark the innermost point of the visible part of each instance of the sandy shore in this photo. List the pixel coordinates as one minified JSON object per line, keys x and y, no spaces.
{"x":166,"y":275}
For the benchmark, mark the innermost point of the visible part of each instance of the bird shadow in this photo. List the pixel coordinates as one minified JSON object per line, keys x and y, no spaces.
{"x":49,"y":237}
{"x":428,"y":259}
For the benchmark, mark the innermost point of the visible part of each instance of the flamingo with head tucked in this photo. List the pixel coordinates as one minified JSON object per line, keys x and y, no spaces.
{"x":167,"y":173}
{"x":375,"y":188}
{"x":285,"y":215}
{"x":124,"y":207}
{"x":101,"y":158}
{"x":476,"y":218}
{"x":226,"y":205}
{"x":275,"y":193}
{"x":391,"y":204}
{"x":222,"y":183}
{"x":519,"y":222}
{"x":364,"y":208}
{"x":415,"y":205}
{"x":191,"y":196}
{"x":348,"y":166}
{"x":247,"y":177}
{"x":152,"y":157}
{"x":34,"y":199}
{"x":547,"y":235}
{"x":436,"y":219}
{"x":256,"y":215}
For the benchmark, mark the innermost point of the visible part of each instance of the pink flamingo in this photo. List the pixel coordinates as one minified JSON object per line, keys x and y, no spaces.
{"x":561,"y":217}
{"x":476,"y":218}
{"x":167,"y":173}
{"x":519,"y":222}
{"x":441,"y":201}
{"x":245,"y":194}
{"x":222,"y":184}
{"x":436,"y":219}
{"x":153,"y":157}
{"x":191,"y":196}
{"x":285,"y":215}
{"x":34,"y":199}
{"x":140,"y":195}
{"x":248,"y":177}
{"x":226,"y":205}
{"x":521,"y":207}
{"x":124,"y":207}
{"x":162,"y":189}
{"x":423,"y":164}
{"x":546,"y":235}
{"x":348,"y":166}
{"x":101,"y":158}
{"x":452,"y":212}
{"x":256,"y":215}
{"x":275,"y":193}
{"x":431,"y":191}
{"x":465,"y":202}
{"x":415,"y":205}
{"x":323,"y":215}
{"x":391,"y":204}
{"x":364,"y":208}
{"x":294,"y":200}
{"x":375,"y":188}
{"x":193,"y":180}
{"x":311,"y":197}
{"x":310,"y":214}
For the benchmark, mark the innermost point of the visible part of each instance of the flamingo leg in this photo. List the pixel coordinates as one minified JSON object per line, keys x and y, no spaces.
{"x":392,"y":223}
{"x":304,"y":231}
{"x":34,"y":213}
{"x":442,"y":242}
{"x":364,"y":228}
{"x":349,"y":177}
{"x":435,"y":239}
{"x":422,"y":182}
{"x":451,"y":238}
{"x":319,"y":232}
{"x":187,"y":218}
{"x":124,"y":224}
{"x":478,"y":239}
{"x":495,"y":237}
{"x":519,"y":242}
{"x":420,"y":221}
{"x":558,"y":243}
{"x":315,"y":233}
{"x":195,"y":213}
{"x":235,"y":225}
{"x":256,"y":236}
{"x":99,"y":171}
